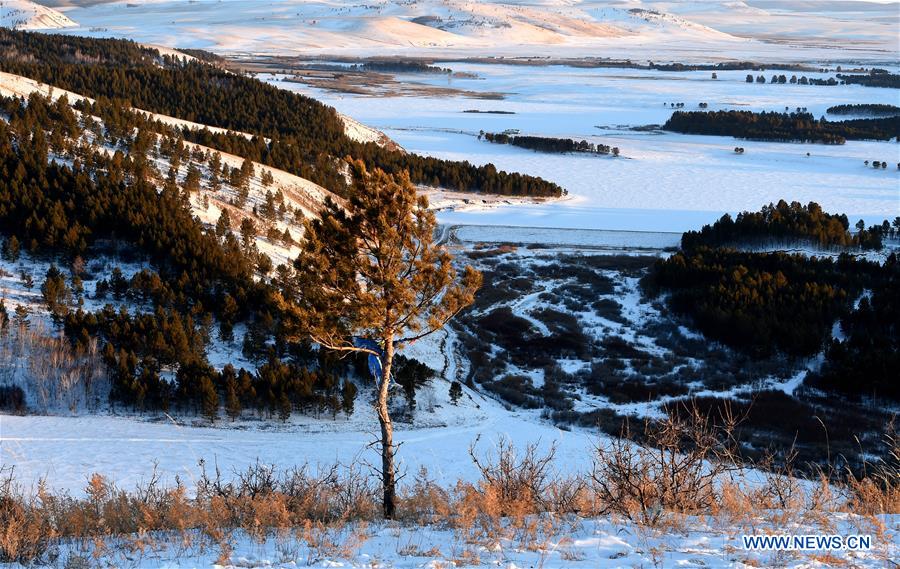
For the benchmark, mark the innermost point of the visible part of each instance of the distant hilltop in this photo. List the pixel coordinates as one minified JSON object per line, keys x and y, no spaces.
{"x":27,"y":15}
{"x":638,"y":29}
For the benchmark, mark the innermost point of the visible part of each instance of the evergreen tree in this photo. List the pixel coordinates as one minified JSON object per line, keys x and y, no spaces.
{"x":248,"y":233}
{"x":192,"y":180}
{"x":232,"y":401}
{"x":223,"y":224}
{"x":270,"y":210}
{"x":348,"y":396}
{"x":455,"y":392}
{"x":55,"y":292}
{"x":21,"y":317}
{"x":11,"y":248}
{"x":372,"y":279}
{"x":209,"y":399}
{"x":284,"y":408}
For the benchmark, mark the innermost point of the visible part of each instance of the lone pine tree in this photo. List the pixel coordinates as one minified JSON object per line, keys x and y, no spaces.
{"x":370,"y":269}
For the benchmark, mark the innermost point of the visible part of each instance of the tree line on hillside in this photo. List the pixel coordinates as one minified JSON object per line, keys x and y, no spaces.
{"x":54,"y":207}
{"x":549,"y":144}
{"x":784,"y":222}
{"x":769,"y":303}
{"x":65,"y":209}
{"x":399,"y":67}
{"x":300,"y":130}
{"x":203,"y":55}
{"x":865,"y":363}
{"x":784,"y":127}
{"x":762,"y":302}
{"x":148,"y":374}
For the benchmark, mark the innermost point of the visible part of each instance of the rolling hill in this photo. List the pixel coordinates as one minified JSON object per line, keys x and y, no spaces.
{"x":27,"y":15}
{"x":612,"y":28}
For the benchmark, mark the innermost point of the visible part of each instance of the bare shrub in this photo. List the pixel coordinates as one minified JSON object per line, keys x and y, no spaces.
{"x":425,"y":502}
{"x":675,"y":469}
{"x":25,"y":532}
{"x":334,"y":493}
{"x":515,"y":480}
{"x":878,"y":490}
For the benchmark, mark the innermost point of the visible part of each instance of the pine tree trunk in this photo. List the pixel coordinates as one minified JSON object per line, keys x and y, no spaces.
{"x":388,"y":477}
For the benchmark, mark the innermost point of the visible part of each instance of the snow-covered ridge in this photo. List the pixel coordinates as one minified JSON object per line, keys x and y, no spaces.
{"x":302,"y":195}
{"x":361,"y":133}
{"x":17,"y":86}
{"x":27,"y":15}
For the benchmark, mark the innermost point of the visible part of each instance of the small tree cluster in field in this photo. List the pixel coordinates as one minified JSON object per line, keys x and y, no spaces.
{"x":874,"y":78}
{"x":738,"y":149}
{"x":794,"y":80}
{"x":872,"y":109}
{"x":549,"y":144}
{"x":799,"y":126}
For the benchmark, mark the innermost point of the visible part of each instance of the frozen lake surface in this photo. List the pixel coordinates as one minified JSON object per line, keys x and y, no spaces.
{"x":663,"y":181}
{"x":591,"y":239}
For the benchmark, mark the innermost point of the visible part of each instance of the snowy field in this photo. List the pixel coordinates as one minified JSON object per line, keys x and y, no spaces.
{"x":663,"y":181}
{"x":66,"y":450}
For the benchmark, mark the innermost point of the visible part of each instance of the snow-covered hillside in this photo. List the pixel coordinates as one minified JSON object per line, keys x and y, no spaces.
{"x":361,"y":133}
{"x":274,"y":201}
{"x":27,"y":15}
{"x":299,"y":195}
{"x":637,"y":29}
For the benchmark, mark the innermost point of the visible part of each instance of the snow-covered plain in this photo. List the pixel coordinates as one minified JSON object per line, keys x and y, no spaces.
{"x":662,"y":181}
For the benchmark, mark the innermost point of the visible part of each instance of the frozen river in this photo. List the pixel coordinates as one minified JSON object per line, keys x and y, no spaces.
{"x":663,"y":181}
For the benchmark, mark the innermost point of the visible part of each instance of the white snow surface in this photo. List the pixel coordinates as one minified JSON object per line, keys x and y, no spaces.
{"x":362,"y":133}
{"x":648,"y":29}
{"x":66,"y":450}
